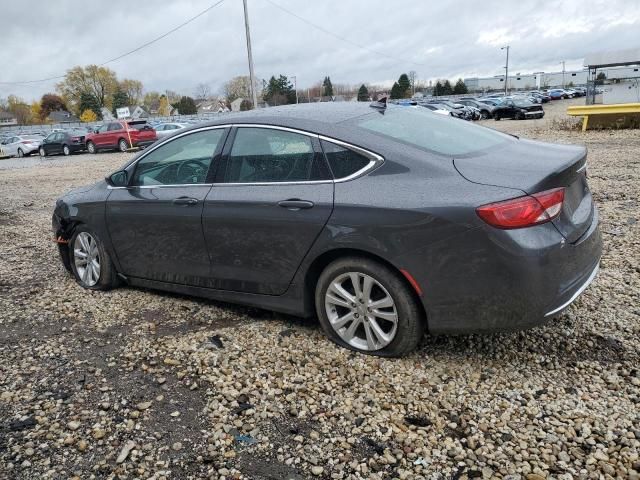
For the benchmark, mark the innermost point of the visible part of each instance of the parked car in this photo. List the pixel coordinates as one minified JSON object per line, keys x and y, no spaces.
{"x":20,"y":145}
{"x":458,"y":110}
{"x":493,"y":101}
{"x":165,"y":129}
{"x":486,"y":110}
{"x":383,"y":225}
{"x":63,"y":142}
{"x":121,"y":135}
{"x":435,"y":108}
{"x":558,"y":93}
{"x":518,"y":109}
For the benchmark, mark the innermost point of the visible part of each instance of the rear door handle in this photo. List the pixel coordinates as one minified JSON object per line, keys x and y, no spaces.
{"x":295,"y":204}
{"x":185,"y":201}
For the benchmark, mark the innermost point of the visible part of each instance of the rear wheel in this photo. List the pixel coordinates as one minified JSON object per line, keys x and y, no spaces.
{"x":122,"y":145}
{"x":66,"y":150}
{"x":42,"y":152}
{"x":20,"y":153}
{"x":484,"y":114}
{"x":91,"y":147}
{"x":90,"y":262}
{"x":497,"y":117}
{"x":520,"y":116}
{"x":365,"y":306}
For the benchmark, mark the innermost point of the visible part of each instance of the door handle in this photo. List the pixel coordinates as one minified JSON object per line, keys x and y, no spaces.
{"x":185,"y":201}
{"x":295,"y":204}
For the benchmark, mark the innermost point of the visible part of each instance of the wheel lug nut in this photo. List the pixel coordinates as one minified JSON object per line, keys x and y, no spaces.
{"x":356,"y":315}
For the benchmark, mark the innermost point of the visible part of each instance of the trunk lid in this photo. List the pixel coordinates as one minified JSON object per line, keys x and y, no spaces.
{"x":534,"y":167}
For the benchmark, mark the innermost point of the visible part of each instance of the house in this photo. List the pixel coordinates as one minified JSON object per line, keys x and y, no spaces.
{"x":212,"y":106}
{"x":7,"y":119}
{"x":136,"y":112}
{"x":107,"y":116}
{"x":235,"y":105}
{"x":62,"y":116}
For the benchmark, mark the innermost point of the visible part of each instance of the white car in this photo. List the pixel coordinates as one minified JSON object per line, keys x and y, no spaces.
{"x":21,"y":145}
{"x":164,"y":129}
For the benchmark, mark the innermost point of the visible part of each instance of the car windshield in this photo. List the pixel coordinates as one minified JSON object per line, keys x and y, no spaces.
{"x":436,"y":133}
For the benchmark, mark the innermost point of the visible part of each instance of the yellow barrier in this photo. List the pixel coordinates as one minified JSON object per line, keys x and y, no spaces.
{"x":610,"y":112}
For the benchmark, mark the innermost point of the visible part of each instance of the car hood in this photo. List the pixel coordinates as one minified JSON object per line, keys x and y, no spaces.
{"x":84,"y":188}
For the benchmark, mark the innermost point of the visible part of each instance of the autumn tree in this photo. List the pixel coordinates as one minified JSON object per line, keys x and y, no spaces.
{"x":50,"y":102}
{"x":36,"y":110}
{"x":327,"y":87}
{"x":133,"y":89}
{"x":20,"y":109}
{"x":237,"y":87}
{"x":89,"y":102}
{"x":460,"y":88}
{"x":88,"y":116}
{"x":363,"y":93}
{"x":100,"y":82}
{"x":151,"y":101}
{"x":164,"y":109}
{"x":186,"y":106}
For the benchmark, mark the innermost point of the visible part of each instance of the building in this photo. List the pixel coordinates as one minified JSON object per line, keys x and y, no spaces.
{"x":624,"y":87}
{"x":536,"y":80}
{"x":62,"y":116}
{"x":7,"y":119}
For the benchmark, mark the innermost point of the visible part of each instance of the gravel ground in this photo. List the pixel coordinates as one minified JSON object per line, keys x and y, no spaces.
{"x":138,"y":384}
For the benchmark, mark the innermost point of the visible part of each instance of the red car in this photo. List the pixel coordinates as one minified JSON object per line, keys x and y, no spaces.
{"x":121,"y":135}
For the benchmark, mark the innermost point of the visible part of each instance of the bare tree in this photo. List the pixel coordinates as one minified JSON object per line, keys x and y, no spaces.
{"x":412,"y":81}
{"x":202,"y":91}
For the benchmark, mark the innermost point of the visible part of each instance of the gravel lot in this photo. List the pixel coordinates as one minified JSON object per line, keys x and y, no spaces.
{"x":138,"y":384}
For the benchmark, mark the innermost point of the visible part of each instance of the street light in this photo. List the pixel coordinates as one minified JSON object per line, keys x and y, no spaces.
{"x":506,"y":70}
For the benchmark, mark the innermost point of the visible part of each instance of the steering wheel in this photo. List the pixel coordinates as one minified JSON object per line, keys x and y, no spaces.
{"x":190,"y":171}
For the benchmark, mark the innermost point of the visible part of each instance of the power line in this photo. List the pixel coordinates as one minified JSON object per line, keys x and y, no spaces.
{"x":340,"y":37}
{"x":144,"y":45}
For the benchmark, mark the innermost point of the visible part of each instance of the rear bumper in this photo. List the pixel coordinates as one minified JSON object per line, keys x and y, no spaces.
{"x":580,"y":288}
{"x":143,"y":143}
{"x":535,"y":114}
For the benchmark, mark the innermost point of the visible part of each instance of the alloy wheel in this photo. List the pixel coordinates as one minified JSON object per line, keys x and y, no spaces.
{"x":20,"y":153}
{"x":361,"y":311}
{"x":87,"y":258}
{"x":66,"y":150}
{"x":123,"y":146}
{"x":91,"y":147}
{"x":42,"y":152}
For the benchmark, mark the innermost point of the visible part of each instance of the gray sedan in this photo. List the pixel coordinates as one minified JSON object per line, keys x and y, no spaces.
{"x":21,"y":145}
{"x":166,"y":129}
{"x":385,"y":222}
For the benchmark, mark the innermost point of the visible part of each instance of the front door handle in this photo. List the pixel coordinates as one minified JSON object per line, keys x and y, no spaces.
{"x":295,"y":204}
{"x":185,"y":201}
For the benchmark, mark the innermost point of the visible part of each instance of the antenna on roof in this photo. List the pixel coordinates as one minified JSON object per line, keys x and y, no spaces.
{"x":380,"y":103}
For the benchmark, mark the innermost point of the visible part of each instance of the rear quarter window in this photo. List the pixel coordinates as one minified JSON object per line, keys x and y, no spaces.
{"x":423,"y":129}
{"x":342,"y":161}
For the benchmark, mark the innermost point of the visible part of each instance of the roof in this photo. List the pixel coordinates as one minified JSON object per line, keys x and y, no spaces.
{"x":7,"y":115}
{"x":615,"y":58}
{"x":63,"y":116}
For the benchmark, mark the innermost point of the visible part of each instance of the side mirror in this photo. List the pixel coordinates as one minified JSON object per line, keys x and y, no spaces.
{"x":118,"y":179}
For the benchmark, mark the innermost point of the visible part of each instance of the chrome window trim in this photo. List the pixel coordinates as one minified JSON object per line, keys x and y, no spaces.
{"x":375,"y":159}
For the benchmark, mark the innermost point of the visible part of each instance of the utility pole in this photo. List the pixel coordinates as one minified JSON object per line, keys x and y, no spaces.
{"x":562,"y":62}
{"x":295,"y":86}
{"x":252,"y":79}
{"x":506,"y":70}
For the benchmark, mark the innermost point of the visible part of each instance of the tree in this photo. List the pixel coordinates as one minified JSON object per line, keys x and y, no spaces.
{"x":20,"y":109}
{"x":327,"y":87}
{"x":88,"y":116}
{"x":404,"y":86}
{"x":460,"y":87}
{"x":437,"y":90}
{"x":151,"y":101}
{"x":100,"y":82}
{"x":36,"y":111}
{"x":50,"y":102}
{"x":237,"y":87}
{"x":363,"y":93}
{"x":279,"y":91}
{"x":89,"y":102}
{"x":447,"y":89}
{"x":396,"y":91}
{"x":164,"y":109}
{"x":133,"y":89}
{"x":412,"y":80}
{"x":601,"y":78}
{"x":120,"y":99}
{"x":186,"y":106}
{"x":246,"y":105}
{"x":202,"y":91}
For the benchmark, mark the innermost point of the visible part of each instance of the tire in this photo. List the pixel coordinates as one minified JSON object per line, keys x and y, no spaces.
{"x":42,"y":152}
{"x":105,"y":278}
{"x":20,"y":153}
{"x":484,"y":114}
{"x":497,"y":117}
{"x":122,"y":145}
{"x":66,"y":151}
{"x":520,"y":116}
{"x":401,"y":337}
{"x":91,"y":147}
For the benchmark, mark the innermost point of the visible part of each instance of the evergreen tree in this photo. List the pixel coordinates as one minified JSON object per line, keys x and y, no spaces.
{"x":437,"y":90}
{"x":120,"y":99}
{"x":327,"y":87}
{"x":363,"y":94}
{"x":396,"y":91}
{"x":460,"y":88}
{"x":405,"y":86}
{"x":89,"y":102}
{"x":447,"y":89}
{"x":186,"y":106}
{"x":279,"y":91}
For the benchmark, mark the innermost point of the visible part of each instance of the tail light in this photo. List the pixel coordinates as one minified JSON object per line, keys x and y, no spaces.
{"x":523,"y":211}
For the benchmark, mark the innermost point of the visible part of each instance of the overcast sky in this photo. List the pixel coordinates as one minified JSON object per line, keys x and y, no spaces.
{"x":446,"y":39}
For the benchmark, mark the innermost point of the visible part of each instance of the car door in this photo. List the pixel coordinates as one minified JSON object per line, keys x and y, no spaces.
{"x":10,"y":147}
{"x":113,"y":134}
{"x":272,"y":197}
{"x":100,"y":138}
{"x":155,"y":223}
{"x":53,"y":146}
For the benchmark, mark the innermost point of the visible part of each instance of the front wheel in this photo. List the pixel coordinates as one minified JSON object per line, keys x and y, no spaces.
{"x":66,"y":151}
{"x":520,"y":116}
{"x":122,"y":145}
{"x":91,"y":147}
{"x":20,"y":153}
{"x":365,"y":306}
{"x":90,"y":262}
{"x":42,"y":152}
{"x":497,"y":117}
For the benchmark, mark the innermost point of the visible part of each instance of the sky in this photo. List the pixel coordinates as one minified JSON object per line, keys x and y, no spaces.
{"x":353,"y":42}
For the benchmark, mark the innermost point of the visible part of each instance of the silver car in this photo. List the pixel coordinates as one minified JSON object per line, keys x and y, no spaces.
{"x":165,"y":129}
{"x":21,"y":145}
